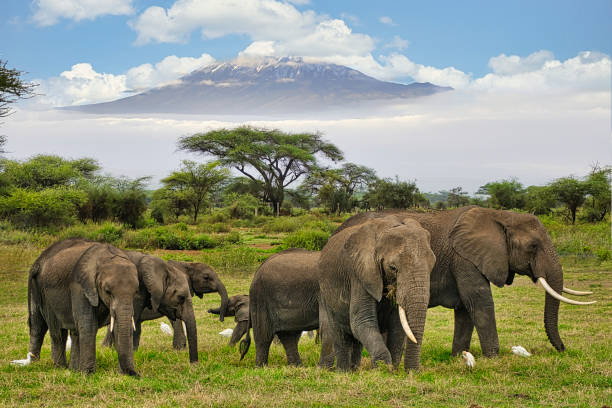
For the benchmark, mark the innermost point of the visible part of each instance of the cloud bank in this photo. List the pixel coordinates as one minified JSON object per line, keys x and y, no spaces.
{"x":49,"y":12}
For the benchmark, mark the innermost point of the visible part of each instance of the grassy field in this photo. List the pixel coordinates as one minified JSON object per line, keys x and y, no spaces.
{"x":581,"y":376}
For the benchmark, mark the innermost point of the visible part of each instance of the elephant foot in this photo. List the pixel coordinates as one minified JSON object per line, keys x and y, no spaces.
{"x":131,"y":373}
{"x":179,"y":346}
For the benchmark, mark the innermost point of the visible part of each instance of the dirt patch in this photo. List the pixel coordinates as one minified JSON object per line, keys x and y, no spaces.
{"x":261,"y":245}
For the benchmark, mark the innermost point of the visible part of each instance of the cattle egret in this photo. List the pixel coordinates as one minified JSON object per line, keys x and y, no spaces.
{"x":520,"y":351}
{"x":165,"y":328}
{"x":226,"y":333}
{"x":469,"y":359}
{"x":25,"y":362}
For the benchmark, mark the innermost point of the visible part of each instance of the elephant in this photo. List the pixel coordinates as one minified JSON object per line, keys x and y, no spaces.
{"x":237,"y":306}
{"x":374,"y":280}
{"x":164,"y":291}
{"x":477,"y":246}
{"x":284,"y":301}
{"x":78,"y":286}
{"x":201,"y":279}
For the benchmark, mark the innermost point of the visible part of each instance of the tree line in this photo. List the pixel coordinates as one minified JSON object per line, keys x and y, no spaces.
{"x":274,"y":173}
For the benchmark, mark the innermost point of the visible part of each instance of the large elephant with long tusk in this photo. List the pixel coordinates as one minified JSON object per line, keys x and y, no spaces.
{"x":374,"y":279}
{"x":475,"y":247}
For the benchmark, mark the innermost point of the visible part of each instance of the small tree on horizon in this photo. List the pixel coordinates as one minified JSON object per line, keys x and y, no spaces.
{"x":196,"y":182}
{"x":571,"y":192}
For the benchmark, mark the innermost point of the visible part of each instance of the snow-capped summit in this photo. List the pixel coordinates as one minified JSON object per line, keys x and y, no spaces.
{"x":264,"y":86}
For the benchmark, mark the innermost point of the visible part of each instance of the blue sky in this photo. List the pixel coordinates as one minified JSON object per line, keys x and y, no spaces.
{"x":532,"y":80}
{"x":463,"y":34}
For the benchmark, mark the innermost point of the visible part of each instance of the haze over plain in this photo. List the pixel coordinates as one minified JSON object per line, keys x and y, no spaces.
{"x":531,"y":94}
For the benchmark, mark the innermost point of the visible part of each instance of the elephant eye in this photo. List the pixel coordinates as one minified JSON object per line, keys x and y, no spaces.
{"x":533,"y":247}
{"x":181,"y":299}
{"x":393,"y":267}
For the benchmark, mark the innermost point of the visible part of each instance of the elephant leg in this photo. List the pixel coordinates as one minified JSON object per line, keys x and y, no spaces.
{"x":262,"y":349}
{"x":395,"y":338}
{"x":478,"y":300}
{"x":58,"y":346}
{"x":38,"y":329}
{"x":109,"y":339}
{"x":75,"y":351}
{"x":136,"y":335}
{"x":356,"y":352}
{"x":290,"y":343}
{"x":364,"y":325}
{"x":179,"y":341}
{"x":464,"y":327}
{"x":327,"y":345}
{"x":87,"y":327}
{"x":343,"y":347}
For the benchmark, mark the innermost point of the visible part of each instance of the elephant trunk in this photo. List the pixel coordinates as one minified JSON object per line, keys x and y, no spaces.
{"x":188,"y":318}
{"x":413,"y":297}
{"x":547,"y":266}
{"x":123,"y":331}
{"x":224,"y":300}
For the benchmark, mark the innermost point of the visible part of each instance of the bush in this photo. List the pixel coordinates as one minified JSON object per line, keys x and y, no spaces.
{"x":282,"y":224}
{"x":110,"y":233}
{"x":221,"y":227}
{"x":311,"y":239}
{"x":45,"y":208}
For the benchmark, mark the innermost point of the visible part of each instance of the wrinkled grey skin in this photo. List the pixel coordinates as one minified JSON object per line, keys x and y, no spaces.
{"x":361,"y":268}
{"x":237,"y":306}
{"x":165,"y":291}
{"x":201,"y":279}
{"x":475,"y":247}
{"x":283,"y":301}
{"x":76,"y":285}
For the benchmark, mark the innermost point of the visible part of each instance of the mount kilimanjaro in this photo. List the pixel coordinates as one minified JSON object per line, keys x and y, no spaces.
{"x":273,"y":86}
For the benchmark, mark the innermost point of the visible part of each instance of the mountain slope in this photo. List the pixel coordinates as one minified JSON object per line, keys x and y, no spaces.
{"x":281,"y":85}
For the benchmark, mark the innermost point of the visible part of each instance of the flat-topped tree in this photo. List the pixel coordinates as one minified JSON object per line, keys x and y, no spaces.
{"x":273,"y":157}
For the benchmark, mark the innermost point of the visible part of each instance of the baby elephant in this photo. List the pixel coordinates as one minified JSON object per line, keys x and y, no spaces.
{"x":284,"y":301}
{"x":238,"y":306}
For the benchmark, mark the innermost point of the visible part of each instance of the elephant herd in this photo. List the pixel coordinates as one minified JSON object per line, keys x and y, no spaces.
{"x":370,"y":286}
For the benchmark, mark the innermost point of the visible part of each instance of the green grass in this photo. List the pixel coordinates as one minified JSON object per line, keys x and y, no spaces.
{"x":579,"y":377}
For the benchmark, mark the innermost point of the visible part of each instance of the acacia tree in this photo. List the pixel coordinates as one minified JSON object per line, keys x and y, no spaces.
{"x":571,"y":192}
{"x":270,"y":156}
{"x":336,"y":187}
{"x":505,"y":194}
{"x":196,"y":182}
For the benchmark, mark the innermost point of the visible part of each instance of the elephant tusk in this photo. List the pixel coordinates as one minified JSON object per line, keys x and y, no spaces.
{"x":112,"y":324}
{"x":133,"y":324}
{"x":405,"y":326}
{"x":184,"y":328}
{"x":557,"y":296}
{"x":576,"y":292}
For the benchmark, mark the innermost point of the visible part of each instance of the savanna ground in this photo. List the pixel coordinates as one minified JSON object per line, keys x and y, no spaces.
{"x":581,"y":376}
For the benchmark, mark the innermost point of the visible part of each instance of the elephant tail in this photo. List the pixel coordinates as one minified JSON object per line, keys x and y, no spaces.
{"x":246,"y":343}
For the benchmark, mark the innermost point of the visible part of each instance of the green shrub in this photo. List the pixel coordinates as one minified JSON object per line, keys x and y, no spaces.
{"x":51,"y":207}
{"x":282,"y":224}
{"x":221,"y":227}
{"x":110,"y":233}
{"x":311,"y":239}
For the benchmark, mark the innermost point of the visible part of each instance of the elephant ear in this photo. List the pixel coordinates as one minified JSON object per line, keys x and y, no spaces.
{"x":361,"y":249}
{"x":242,"y":309}
{"x":154,"y":275}
{"x":480,"y":237}
{"x":85,"y":271}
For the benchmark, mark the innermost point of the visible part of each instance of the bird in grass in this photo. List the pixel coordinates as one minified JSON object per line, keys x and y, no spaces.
{"x":25,"y":362}
{"x":226,"y":333}
{"x":68,"y":343}
{"x":165,"y":328}
{"x":469,"y":359}
{"x":520,"y":351}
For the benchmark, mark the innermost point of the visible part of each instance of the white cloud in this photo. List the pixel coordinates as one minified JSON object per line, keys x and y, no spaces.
{"x":276,"y":28}
{"x":49,"y":12}
{"x":398,"y":43}
{"x":82,"y":84}
{"x":387,"y":20}
{"x":166,"y":71}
